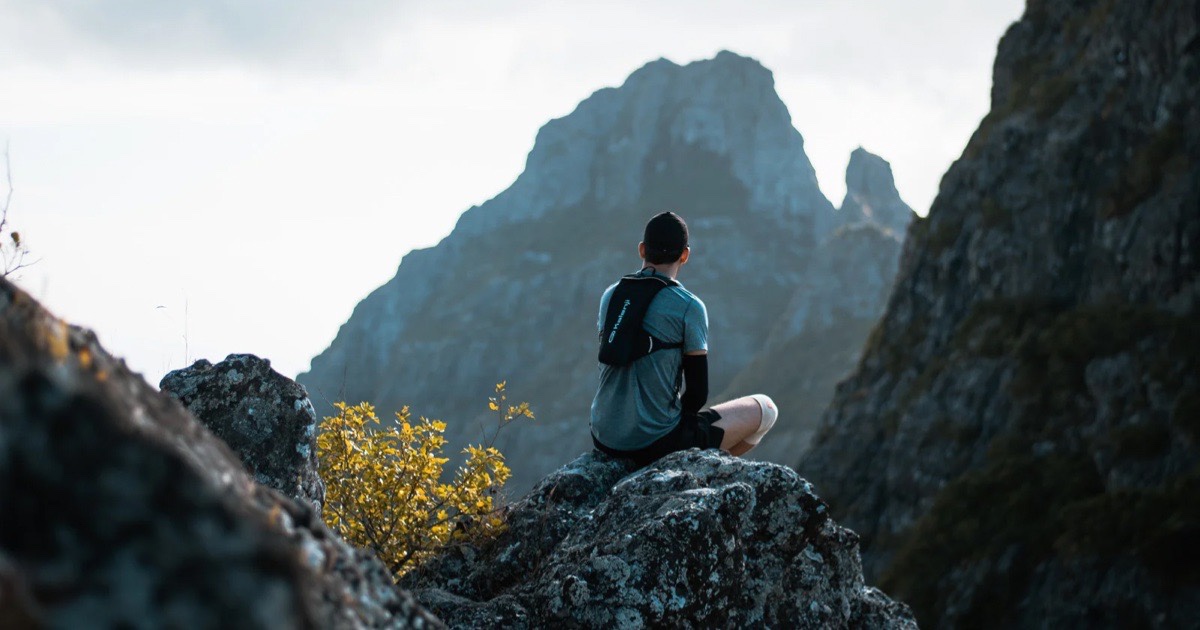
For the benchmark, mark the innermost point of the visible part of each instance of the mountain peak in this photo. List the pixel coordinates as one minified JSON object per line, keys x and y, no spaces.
{"x":871,"y":193}
{"x":725,"y":62}
{"x":607,"y":151}
{"x":867,"y":172}
{"x":745,"y":72}
{"x":658,"y":66}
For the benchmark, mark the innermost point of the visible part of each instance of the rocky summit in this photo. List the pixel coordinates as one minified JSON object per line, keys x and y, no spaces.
{"x":1020,"y":443}
{"x":698,"y":539}
{"x":512,"y":293}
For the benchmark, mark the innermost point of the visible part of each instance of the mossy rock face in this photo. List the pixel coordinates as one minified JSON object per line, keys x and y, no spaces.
{"x":1159,"y":526}
{"x":1017,"y":444}
{"x":1158,"y":156}
{"x":1186,"y":415}
{"x":1013,"y":507}
{"x":1046,"y":492}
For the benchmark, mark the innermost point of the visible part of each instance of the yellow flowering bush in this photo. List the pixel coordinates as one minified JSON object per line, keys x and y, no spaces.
{"x":384,"y":488}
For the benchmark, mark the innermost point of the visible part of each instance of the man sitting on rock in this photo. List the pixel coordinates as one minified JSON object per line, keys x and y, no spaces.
{"x":638,"y":412}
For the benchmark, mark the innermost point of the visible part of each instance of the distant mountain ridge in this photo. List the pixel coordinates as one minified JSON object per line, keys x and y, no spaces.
{"x":512,"y":293}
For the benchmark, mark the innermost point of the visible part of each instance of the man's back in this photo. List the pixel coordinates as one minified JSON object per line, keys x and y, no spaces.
{"x":639,"y":403}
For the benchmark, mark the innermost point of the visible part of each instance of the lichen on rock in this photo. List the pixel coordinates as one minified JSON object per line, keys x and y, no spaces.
{"x":265,"y":417}
{"x":697,"y":539}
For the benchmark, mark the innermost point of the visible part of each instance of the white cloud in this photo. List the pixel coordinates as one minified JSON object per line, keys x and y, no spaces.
{"x":170,"y":32}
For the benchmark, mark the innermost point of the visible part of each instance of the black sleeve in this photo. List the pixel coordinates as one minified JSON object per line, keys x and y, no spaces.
{"x":695,"y":376}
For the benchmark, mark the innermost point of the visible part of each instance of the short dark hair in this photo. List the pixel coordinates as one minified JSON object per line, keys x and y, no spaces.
{"x":665,"y":238}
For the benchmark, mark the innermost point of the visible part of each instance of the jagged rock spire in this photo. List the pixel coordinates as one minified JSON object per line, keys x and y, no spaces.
{"x":871,"y":194}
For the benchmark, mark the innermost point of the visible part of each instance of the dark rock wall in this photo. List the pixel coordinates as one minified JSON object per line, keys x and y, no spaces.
{"x":1019,"y":443}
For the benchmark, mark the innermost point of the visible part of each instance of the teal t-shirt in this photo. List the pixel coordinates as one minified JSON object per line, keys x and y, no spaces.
{"x":639,"y":403}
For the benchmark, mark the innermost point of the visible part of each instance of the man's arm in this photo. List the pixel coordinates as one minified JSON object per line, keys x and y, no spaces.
{"x":695,"y":376}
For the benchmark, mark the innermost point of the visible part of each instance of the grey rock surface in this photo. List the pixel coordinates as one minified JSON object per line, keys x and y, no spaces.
{"x":1019,"y":443}
{"x":697,"y":539}
{"x":265,"y":417}
{"x":120,"y":509}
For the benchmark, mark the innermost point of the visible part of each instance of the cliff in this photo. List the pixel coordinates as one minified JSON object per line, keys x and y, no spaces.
{"x":1019,"y":443}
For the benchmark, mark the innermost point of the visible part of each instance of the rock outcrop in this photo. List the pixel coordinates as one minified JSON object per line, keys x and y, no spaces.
{"x":265,"y":417}
{"x":697,"y":539}
{"x":1020,"y":443}
{"x":512,"y":294}
{"x":120,"y":509}
{"x":871,"y":194}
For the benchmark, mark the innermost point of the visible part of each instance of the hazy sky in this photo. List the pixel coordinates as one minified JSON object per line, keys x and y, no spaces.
{"x":238,"y":174}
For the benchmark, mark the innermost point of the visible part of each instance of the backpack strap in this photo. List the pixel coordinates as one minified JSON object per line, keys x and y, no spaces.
{"x":623,"y":340}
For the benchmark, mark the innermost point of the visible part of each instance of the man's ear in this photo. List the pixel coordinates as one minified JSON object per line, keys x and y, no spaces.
{"x":642,"y":251}
{"x":687,"y":253}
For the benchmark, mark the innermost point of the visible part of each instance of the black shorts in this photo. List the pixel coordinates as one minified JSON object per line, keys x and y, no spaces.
{"x":695,"y":430}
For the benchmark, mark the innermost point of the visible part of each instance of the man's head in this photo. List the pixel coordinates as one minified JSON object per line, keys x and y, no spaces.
{"x":665,"y":240}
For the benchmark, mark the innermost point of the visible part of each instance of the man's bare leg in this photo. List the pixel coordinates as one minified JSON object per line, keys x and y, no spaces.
{"x":741,"y":448}
{"x":740,"y":418}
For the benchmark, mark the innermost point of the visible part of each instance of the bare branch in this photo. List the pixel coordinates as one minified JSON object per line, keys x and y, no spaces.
{"x":14,"y":257}
{"x":9,"y":193}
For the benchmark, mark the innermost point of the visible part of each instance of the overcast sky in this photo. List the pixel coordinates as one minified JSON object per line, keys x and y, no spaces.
{"x":200,"y":178}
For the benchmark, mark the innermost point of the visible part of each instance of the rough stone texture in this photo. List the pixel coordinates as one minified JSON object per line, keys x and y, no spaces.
{"x":1019,"y":444}
{"x":697,"y":539}
{"x":120,"y":509}
{"x":512,"y":294}
{"x":265,"y":417}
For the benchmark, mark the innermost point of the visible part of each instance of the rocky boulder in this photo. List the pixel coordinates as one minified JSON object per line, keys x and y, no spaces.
{"x":120,"y":509}
{"x":265,"y":417}
{"x":697,"y":539}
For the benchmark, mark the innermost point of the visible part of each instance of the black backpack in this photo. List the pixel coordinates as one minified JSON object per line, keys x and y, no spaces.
{"x":623,"y":340}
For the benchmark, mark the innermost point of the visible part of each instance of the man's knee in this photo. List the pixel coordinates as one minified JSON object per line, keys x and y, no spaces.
{"x":770,"y":413}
